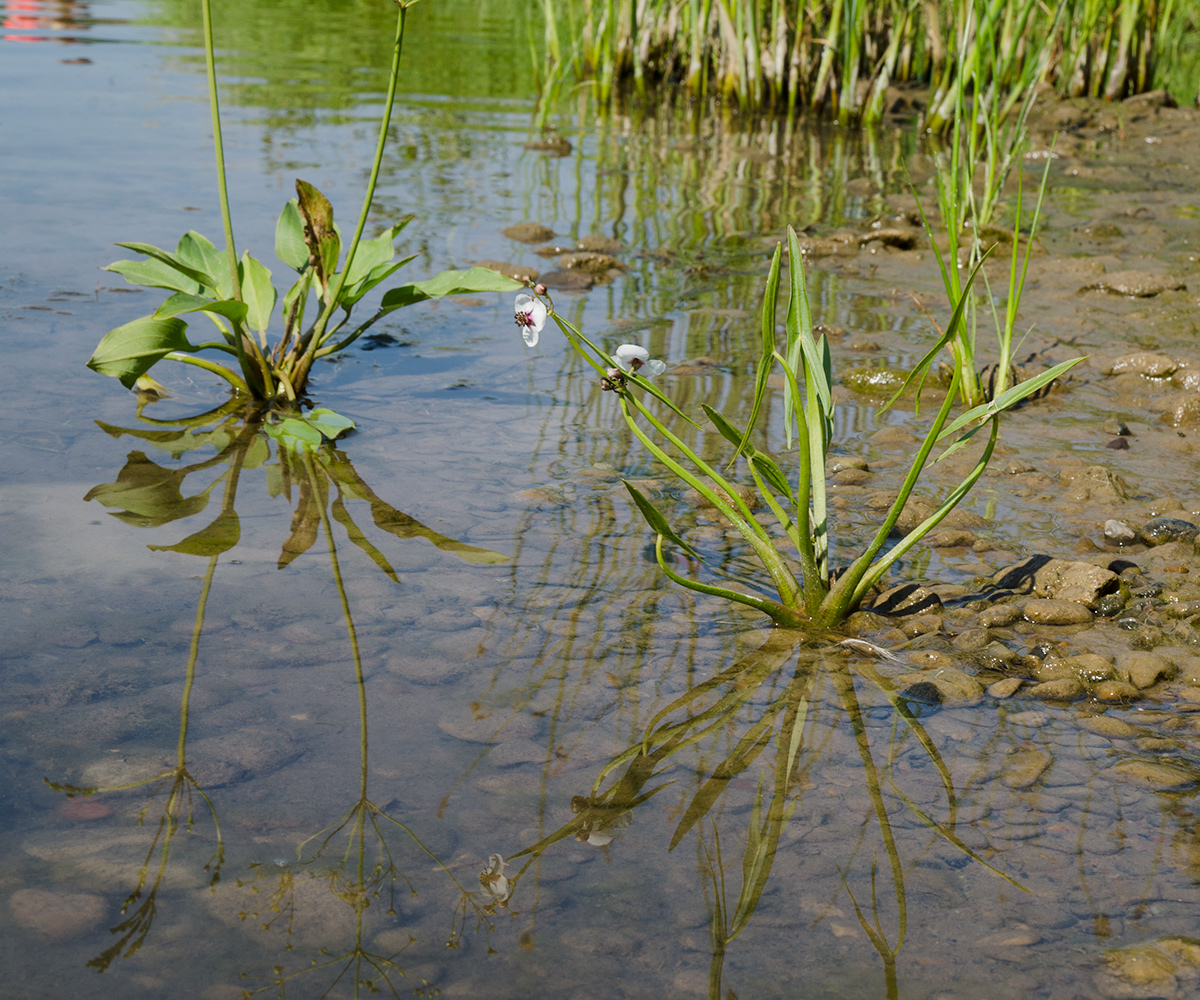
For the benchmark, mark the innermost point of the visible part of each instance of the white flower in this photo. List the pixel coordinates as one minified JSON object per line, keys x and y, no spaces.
{"x":631,"y":358}
{"x":531,"y":317}
{"x":492,"y":884}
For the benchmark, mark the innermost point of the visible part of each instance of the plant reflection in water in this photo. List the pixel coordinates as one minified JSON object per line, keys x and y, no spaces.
{"x":756,"y":713}
{"x":340,"y":855}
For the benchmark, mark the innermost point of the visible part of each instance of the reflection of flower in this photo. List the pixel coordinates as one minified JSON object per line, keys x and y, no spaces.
{"x":492,"y":883}
{"x":632,"y":358}
{"x":531,"y":317}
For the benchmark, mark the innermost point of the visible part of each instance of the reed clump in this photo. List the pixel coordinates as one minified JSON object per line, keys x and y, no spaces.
{"x":842,"y":56}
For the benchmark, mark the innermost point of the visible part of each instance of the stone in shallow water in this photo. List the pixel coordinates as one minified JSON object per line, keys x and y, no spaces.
{"x":1119,"y":532}
{"x":1066,"y":689}
{"x":528,"y":232}
{"x":1049,"y":611}
{"x":59,"y":916}
{"x":1148,"y":363}
{"x":1115,"y":691}
{"x":1138,"y":284}
{"x":1023,"y":768}
{"x":1059,"y":579}
{"x":1167,"y":968}
{"x":1160,"y":776}
{"x":1005,"y":688}
{"x":1160,"y":530}
{"x":1143,"y":668}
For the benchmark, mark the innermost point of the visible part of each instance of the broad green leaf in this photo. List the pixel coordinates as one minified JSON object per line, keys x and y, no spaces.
{"x":289,"y":238}
{"x":258,"y":292}
{"x":294,"y":432}
{"x":147,"y":494}
{"x":220,"y":536}
{"x":371,"y":253}
{"x":131,"y":350}
{"x":199,"y":252}
{"x":154,"y":274}
{"x":329,"y":423}
{"x":351,"y":297}
{"x":658,"y":523}
{"x":182,"y":302}
{"x":174,"y":261}
{"x":472,"y":280}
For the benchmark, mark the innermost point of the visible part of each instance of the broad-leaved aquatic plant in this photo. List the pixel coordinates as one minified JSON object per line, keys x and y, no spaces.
{"x":238,"y":296}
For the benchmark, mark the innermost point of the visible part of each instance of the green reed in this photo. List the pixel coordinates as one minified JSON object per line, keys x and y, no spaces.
{"x":840,"y":56}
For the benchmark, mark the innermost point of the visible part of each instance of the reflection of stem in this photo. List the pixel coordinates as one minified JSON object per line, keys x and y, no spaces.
{"x":844,"y":683}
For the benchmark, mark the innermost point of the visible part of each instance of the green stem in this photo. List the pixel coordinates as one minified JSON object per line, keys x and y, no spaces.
{"x":215,"y":108}
{"x":211,"y":366}
{"x":397,"y":46}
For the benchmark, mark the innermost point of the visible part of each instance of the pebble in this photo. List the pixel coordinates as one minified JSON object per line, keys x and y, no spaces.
{"x":1050,"y":611}
{"x":1115,"y":691}
{"x":1119,"y":532}
{"x":1066,"y":689}
{"x":1136,"y":284}
{"x":1144,"y":669}
{"x":1161,"y":530}
{"x":1160,"y":776}
{"x":1024,"y":767}
{"x":1106,"y":725}
{"x":1091,"y":668}
{"x":1148,"y":363}
{"x":999,"y":615}
{"x":1005,"y":688}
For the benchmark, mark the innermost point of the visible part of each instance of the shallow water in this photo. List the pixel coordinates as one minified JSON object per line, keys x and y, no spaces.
{"x":1015,"y":841}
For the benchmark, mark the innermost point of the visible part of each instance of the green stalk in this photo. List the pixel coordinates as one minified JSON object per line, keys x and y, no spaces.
{"x":318,"y":336}
{"x":223,"y":193}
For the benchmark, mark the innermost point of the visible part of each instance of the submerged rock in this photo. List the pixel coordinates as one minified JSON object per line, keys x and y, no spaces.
{"x":1160,"y":530}
{"x":528,"y":232}
{"x":1167,"y":968}
{"x":1060,"y":580}
{"x":1048,"y":611}
{"x":1137,"y":284}
{"x":1148,"y":363}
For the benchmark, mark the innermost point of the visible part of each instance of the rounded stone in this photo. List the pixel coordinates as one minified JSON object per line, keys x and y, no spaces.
{"x":1091,"y":668}
{"x":1050,"y":611}
{"x":1119,"y":532}
{"x":1160,"y":530}
{"x":1066,"y":689}
{"x":1115,"y":691}
{"x":1160,"y":776}
{"x":1106,"y":725}
{"x":1005,"y":688}
{"x":998,"y":616}
{"x":1144,"y":669}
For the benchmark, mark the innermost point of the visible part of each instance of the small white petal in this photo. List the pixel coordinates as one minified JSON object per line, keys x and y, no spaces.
{"x":652,"y":368}
{"x":624,"y":355}
{"x":529,"y":334}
